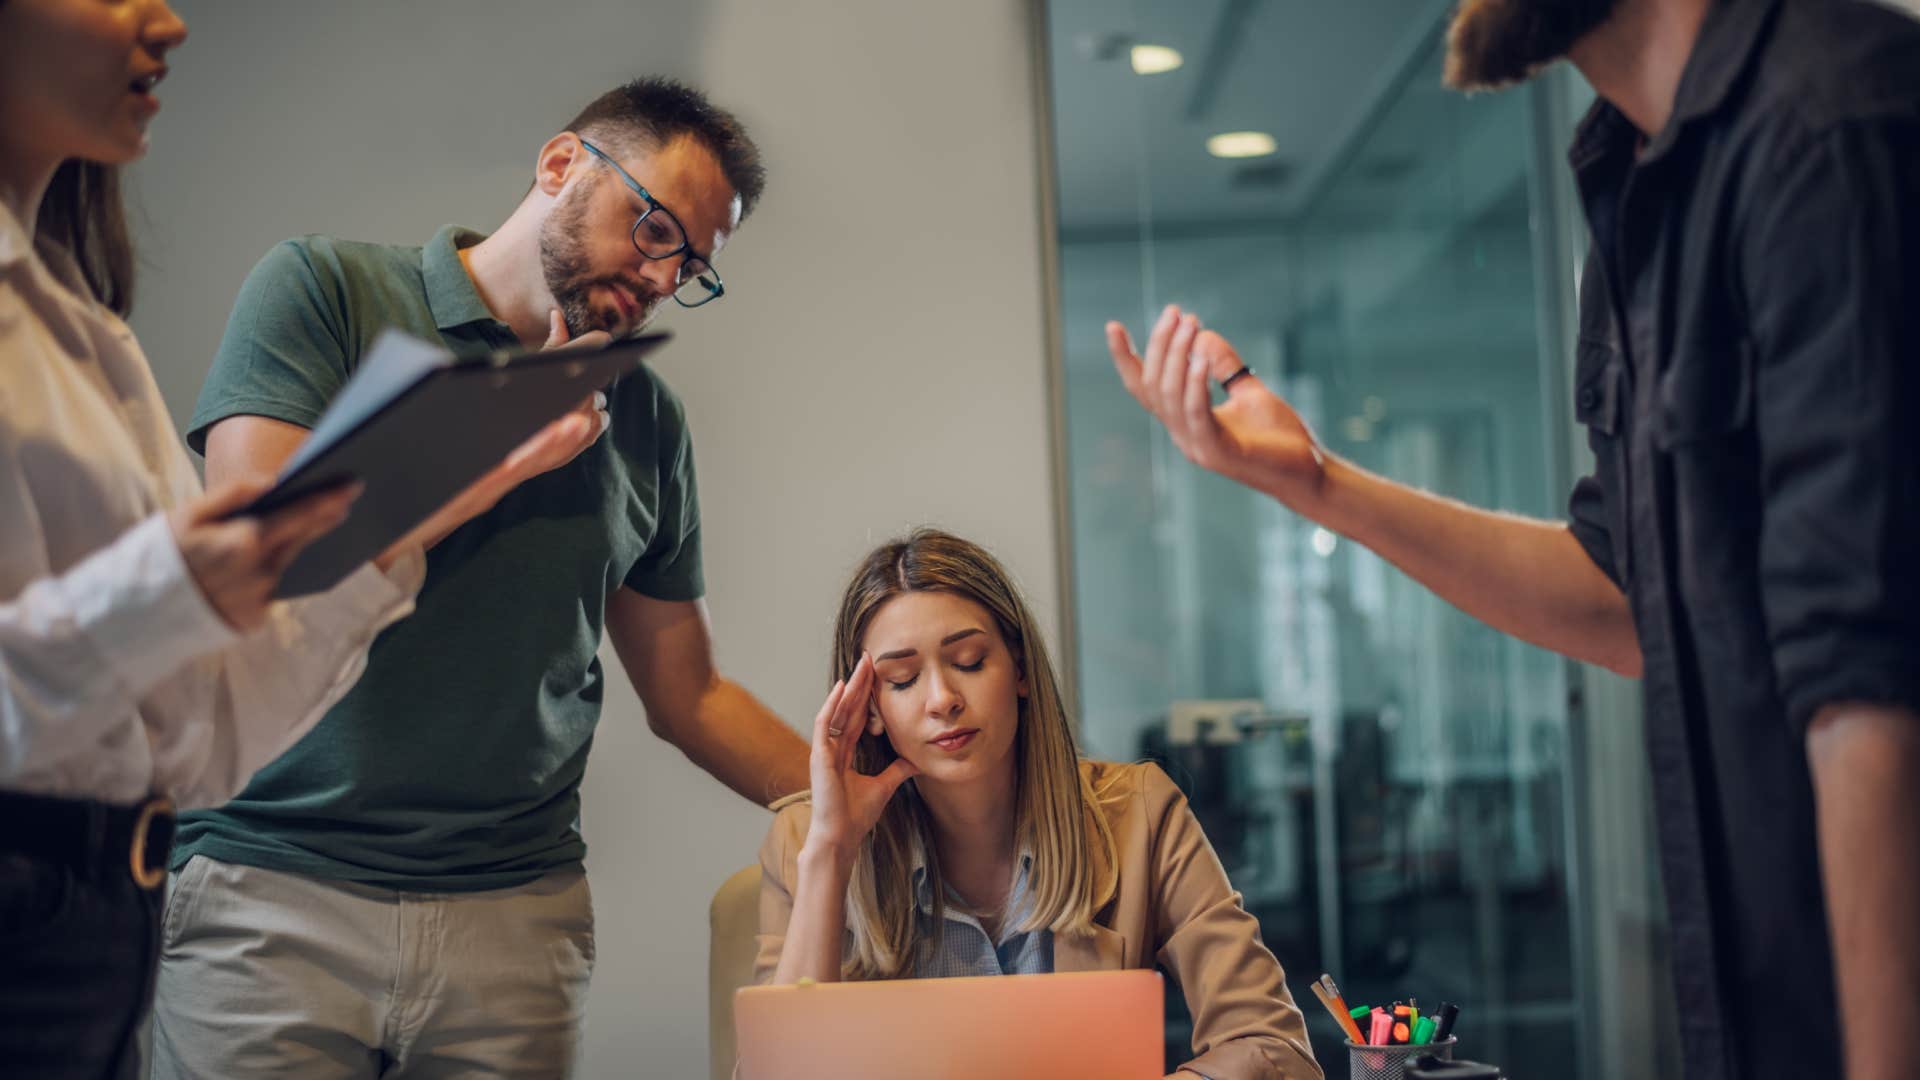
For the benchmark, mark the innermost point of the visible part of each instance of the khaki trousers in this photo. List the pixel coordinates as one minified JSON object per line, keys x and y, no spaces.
{"x":271,"y":974}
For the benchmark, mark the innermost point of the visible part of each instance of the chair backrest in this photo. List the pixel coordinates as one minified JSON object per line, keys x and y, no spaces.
{"x":733,"y":920}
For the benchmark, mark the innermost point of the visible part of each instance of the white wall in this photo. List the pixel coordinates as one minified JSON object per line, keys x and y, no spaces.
{"x":879,"y":360}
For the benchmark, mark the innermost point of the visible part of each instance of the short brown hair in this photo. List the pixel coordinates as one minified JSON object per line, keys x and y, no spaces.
{"x":650,"y":112}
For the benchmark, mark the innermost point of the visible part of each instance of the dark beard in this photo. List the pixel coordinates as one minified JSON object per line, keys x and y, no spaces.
{"x":1493,"y":44}
{"x":570,"y":277}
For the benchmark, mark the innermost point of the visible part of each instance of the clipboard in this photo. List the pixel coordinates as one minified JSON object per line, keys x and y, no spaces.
{"x":417,"y":424}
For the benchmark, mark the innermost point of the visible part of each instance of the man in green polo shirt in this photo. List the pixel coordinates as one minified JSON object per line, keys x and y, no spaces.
{"x":401,"y":893}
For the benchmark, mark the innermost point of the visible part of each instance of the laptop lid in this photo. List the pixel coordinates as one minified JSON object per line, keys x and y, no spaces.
{"x":1105,"y":1024}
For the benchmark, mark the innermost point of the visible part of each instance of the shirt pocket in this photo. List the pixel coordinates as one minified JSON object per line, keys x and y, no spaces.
{"x":1705,"y":394}
{"x":1600,"y":399}
{"x":1598,"y":391}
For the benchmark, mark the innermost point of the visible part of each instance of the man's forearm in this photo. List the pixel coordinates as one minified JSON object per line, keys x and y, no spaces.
{"x":1522,"y":576}
{"x":1864,"y":759}
{"x":732,"y":735}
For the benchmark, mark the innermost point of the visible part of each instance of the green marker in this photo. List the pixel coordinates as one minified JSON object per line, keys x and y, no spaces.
{"x":1423,"y":1031}
{"x":1360,"y":1013}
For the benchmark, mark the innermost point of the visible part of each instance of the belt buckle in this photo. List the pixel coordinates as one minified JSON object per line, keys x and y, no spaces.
{"x":144,"y":875}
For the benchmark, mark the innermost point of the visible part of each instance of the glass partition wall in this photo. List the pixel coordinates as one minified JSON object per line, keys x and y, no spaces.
{"x":1406,"y":798}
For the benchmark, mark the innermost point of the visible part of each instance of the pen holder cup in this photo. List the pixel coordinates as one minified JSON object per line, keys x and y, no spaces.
{"x":1390,"y":1062}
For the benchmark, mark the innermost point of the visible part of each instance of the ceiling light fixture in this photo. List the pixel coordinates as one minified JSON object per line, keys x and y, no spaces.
{"x":1155,"y":59}
{"x":1241,"y":144}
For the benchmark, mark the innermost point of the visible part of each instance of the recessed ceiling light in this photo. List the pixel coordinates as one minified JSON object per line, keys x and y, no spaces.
{"x":1241,"y":144}
{"x":1154,"y":59}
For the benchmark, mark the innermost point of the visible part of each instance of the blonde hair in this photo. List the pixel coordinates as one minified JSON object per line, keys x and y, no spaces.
{"x":1055,"y":818}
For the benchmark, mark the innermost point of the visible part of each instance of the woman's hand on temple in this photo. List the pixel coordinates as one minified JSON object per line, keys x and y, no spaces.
{"x":846,"y":802}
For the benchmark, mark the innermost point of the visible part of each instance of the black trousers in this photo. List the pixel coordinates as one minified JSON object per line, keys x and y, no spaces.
{"x":78,"y":950}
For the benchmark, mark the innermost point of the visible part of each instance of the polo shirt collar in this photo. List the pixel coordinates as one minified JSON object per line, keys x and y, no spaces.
{"x":450,"y":292}
{"x":1729,"y":39}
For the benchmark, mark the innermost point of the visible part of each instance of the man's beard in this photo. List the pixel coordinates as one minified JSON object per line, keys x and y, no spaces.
{"x":1493,"y":44}
{"x":570,"y":277}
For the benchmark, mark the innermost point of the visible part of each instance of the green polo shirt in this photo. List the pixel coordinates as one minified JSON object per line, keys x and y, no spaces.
{"x":455,"y":762}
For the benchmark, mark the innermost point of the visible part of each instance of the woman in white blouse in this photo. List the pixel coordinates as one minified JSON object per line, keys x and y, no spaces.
{"x":142,"y":663}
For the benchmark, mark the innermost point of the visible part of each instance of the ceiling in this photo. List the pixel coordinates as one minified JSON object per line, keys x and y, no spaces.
{"x":1313,"y":73}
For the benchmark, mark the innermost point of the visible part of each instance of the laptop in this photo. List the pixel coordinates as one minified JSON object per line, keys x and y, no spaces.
{"x":1093,"y":1024}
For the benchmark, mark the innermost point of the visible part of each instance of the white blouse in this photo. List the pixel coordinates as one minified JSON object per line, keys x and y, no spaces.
{"x":117,"y":678}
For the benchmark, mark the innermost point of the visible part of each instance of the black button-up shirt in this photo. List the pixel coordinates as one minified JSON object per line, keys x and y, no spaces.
{"x":1749,"y":374}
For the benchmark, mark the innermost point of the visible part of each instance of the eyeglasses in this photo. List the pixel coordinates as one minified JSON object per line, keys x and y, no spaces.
{"x":659,"y":235}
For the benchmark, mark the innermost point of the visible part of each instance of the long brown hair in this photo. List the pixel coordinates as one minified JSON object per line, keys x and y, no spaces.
{"x":83,"y":215}
{"x":1056,"y":818}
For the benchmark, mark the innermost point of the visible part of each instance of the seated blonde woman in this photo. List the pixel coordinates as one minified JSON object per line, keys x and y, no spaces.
{"x":952,"y":828}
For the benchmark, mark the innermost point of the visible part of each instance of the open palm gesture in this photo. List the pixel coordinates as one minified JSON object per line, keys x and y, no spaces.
{"x":1254,"y":437}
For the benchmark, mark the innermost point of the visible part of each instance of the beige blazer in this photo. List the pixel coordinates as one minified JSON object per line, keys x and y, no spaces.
{"x":1171,"y":905}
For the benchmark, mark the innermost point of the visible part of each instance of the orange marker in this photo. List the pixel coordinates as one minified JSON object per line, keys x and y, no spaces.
{"x":1329,"y":995}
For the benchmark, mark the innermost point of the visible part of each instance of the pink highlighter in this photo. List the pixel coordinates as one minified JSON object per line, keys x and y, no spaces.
{"x":1382,"y":1028}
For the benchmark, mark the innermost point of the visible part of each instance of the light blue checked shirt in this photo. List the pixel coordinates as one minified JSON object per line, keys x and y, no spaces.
{"x":961,"y":946}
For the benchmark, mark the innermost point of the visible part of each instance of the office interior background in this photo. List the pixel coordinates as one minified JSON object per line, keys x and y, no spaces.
{"x":960,"y":196}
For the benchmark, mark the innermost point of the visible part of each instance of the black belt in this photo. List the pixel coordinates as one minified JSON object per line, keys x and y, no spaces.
{"x":94,"y":838}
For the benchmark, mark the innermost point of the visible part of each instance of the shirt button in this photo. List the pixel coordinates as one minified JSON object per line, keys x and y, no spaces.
{"x":1589,"y":399}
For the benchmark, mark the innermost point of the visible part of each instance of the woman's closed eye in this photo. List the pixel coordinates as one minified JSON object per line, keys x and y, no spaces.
{"x":902,"y":687}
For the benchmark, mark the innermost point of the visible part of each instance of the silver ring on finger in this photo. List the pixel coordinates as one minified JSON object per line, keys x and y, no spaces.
{"x":835,"y":732}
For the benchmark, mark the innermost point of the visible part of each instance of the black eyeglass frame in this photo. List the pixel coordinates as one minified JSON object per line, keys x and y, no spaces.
{"x":654,"y":206}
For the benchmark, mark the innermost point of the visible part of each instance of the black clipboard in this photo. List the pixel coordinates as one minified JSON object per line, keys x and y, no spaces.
{"x":416,"y":424}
